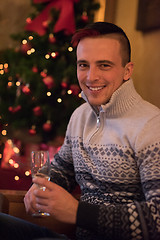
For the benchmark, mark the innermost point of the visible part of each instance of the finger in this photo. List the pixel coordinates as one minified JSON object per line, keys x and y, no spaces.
{"x":42,"y":208}
{"x":41,"y":201}
{"x":44,"y":182}
{"x":29,"y":201}
{"x":40,"y":181}
{"x":40,"y":192}
{"x":28,"y":206}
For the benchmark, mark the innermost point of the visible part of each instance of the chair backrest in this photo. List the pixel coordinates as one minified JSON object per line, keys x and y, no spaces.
{"x":4,"y":204}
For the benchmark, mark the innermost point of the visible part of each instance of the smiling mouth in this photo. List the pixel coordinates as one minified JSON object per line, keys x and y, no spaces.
{"x":95,"y":88}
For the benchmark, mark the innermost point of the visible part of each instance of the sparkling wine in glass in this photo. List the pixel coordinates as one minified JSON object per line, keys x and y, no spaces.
{"x":40,"y":166}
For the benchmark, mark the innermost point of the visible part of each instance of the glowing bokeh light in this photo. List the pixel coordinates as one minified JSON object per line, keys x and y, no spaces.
{"x":27,"y":173}
{"x":4,"y":132}
{"x":16,"y":178}
{"x":69,"y":91}
{"x":16,"y":165}
{"x":49,"y":94}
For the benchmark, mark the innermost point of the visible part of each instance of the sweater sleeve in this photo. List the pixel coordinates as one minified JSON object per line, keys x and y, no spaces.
{"x":62,"y":169}
{"x":137,"y":220}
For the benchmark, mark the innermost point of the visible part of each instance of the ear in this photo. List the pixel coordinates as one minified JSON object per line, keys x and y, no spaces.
{"x":128,"y":71}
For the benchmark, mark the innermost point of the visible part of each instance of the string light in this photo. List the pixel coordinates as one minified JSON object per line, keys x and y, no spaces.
{"x":16,"y":165}
{"x":49,"y":94}
{"x":3,"y":68}
{"x":47,"y":56}
{"x":10,"y":84}
{"x":27,"y":173}
{"x":16,"y":150}
{"x":9,"y":141}
{"x":70,"y":49}
{"x":24,"y":41}
{"x":32,"y":50}
{"x":69,"y":91}
{"x":30,"y":38}
{"x":29,"y":52}
{"x":6,"y":65}
{"x":53,"y":54}
{"x":4,"y":132}
{"x":59,"y":100}
{"x":18,"y":83}
{"x":11,"y":162}
{"x":16,"y":178}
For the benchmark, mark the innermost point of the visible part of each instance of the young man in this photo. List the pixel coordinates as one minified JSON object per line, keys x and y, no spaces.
{"x":111,"y":149}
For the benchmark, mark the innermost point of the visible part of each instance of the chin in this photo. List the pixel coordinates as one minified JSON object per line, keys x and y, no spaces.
{"x":95,"y":103}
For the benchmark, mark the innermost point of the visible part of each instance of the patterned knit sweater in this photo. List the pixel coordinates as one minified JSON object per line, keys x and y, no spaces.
{"x":114,"y":155}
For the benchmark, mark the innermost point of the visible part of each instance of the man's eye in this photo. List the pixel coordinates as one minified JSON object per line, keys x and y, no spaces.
{"x":105,"y":66}
{"x":82,"y":65}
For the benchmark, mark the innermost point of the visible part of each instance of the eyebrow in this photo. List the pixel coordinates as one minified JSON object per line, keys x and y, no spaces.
{"x":98,"y":62}
{"x":105,"y":61}
{"x":81,"y":61}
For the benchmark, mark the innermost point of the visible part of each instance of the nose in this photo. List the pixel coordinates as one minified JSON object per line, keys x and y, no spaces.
{"x":92,"y":74}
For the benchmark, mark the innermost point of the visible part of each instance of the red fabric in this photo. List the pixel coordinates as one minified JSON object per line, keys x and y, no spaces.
{"x":7,"y":180}
{"x":65,"y":22}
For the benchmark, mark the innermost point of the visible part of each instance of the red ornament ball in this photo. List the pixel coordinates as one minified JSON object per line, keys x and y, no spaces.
{"x":43,"y":74}
{"x":84,"y":17}
{"x":51,"y":38}
{"x":45,"y":24}
{"x":49,"y":81}
{"x":25,"y":47}
{"x":14,"y":109}
{"x":34,"y":69}
{"x":28,"y":20}
{"x":37,"y":111}
{"x":64,"y":84}
{"x":47,"y":127}
{"x":44,"y":146}
{"x":75,"y":89}
{"x":26,"y":90}
{"x":32,"y":131}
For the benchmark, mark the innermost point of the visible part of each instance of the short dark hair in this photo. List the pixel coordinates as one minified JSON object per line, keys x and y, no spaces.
{"x":105,"y":28}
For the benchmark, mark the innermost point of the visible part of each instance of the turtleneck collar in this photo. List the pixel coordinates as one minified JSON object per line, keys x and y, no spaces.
{"x":121,"y":101}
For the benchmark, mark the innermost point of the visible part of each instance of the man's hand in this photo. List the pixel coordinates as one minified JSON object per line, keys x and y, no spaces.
{"x":30,"y":200}
{"x":54,"y":200}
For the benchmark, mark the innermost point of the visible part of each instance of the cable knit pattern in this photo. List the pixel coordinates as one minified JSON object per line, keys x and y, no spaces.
{"x":116,"y":162}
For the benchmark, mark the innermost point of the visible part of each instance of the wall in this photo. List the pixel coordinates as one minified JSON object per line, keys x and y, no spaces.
{"x":12,"y":20}
{"x":99,"y":15}
{"x":145,"y":51}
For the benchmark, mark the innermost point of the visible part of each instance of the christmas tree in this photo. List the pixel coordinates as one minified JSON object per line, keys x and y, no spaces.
{"x":38,"y":84}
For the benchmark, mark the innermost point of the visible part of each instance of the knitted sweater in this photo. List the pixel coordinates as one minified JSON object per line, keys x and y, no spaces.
{"x":114,"y":155}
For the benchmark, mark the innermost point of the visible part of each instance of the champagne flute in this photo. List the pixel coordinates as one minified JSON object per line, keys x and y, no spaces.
{"x":40,"y":166}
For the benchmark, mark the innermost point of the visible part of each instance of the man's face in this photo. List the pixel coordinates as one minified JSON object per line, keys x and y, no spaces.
{"x":99,"y":68}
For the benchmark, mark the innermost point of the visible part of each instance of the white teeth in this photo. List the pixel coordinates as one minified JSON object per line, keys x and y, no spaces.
{"x":95,"y":88}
